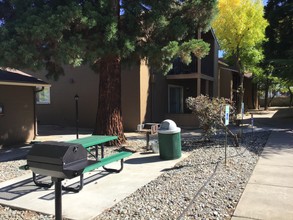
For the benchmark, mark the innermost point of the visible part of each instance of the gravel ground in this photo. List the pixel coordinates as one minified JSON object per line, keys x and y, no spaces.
{"x":199,"y":187}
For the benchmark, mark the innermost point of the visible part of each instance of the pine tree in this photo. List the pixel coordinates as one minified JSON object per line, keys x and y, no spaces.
{"x":279,"y":47}
{"x":36,"y":34}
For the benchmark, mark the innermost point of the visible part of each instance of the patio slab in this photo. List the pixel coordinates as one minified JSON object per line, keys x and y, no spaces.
{"x":101,"y":190}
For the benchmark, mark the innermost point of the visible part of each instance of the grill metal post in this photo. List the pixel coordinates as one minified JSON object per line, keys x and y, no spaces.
{"x":59,"y":160}
{"x":58,"y":198}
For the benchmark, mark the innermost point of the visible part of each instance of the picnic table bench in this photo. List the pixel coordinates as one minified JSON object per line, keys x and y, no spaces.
{"x":89,"y":143}
{"x":148,"y":129}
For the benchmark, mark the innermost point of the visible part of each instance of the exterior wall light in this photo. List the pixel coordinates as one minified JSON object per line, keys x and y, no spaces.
{"x":1,"y":109}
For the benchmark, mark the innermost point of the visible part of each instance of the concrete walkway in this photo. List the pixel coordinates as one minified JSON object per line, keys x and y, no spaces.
{"x":102,"y":190}
{"x":269,"y":192}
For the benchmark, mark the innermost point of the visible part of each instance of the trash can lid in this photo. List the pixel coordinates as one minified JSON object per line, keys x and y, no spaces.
{"x":168,"y":127}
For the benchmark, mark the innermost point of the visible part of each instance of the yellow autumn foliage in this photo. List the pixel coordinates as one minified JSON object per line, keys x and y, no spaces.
{"x":240,"y":24}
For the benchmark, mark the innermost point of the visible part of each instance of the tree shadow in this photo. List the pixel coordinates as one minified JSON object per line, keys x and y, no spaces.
{"x":284,"y":113}
{"x":144,"y":160}
{"x":279,"y":146}
{"x":48,"y":130}
{"x":19,"y":189}
{"x":282,"y":119}
{"x":14,"y":153}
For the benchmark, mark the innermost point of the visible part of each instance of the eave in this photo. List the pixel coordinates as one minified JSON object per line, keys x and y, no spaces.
{"x":190,"y":76}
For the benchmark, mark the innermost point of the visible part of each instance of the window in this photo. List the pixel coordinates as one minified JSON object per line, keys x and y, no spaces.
{"x":43,"y":97}
{"x":181,"y":68}
{"x":175,"y":99}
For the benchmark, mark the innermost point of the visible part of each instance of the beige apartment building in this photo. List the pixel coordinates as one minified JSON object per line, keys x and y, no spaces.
{"x":146,"y":96}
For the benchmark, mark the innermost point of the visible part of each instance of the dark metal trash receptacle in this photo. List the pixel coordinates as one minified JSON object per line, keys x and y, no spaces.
{"x":169,"y":140}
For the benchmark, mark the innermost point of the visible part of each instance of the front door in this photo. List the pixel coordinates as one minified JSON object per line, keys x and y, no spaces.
{"x":175,"y":99}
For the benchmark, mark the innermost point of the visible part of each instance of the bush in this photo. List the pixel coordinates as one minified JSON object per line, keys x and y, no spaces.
{"x":211,"y":114}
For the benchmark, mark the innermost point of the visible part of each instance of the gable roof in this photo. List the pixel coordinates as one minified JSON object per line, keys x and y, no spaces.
{"x":18,"y":78}
{"x":225,"y":66}
{"x":215,"y":37}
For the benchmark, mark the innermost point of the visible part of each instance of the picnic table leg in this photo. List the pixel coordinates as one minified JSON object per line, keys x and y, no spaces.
{"x":97,"y":152}
{"x":111,"y":170}
{"x":74,"y":189}
{"x":41,"y":184}
{"x":102,"y":151}
{"x":148,"y":141}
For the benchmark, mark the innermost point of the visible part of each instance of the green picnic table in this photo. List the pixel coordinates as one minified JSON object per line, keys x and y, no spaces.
{"x":93,"y":141}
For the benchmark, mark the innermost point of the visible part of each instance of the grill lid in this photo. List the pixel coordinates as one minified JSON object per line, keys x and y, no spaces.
{"x":57,"y":159}
{"x":59,"y":153}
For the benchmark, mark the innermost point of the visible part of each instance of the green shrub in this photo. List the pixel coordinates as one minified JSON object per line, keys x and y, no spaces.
{"x":211,"y":114}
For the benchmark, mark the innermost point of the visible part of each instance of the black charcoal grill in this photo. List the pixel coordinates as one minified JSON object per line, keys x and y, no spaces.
{"x":58,"y":160}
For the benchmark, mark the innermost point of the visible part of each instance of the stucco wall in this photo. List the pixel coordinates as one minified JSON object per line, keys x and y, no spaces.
{"x":225,"y":84}
{"x":159,"y":98}
{"x":145,"y":93}
{"x":17,"y":123}
{"x":215,"y":84}
{"x":130,"y":97}
{"x":184,"y":120}
{"x":61,"y":111}
{"x":144,"y":96}
{"x":250,"y":97}
{"x":135,"y":97}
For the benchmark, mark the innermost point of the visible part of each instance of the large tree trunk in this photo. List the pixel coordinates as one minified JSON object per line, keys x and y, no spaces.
{"x":241,"y":83}
{"x":109,"y":119}
{"x":291,"y":97}
{"x":272,"y":98}
{"x":266,"y":104}
{"x":241,"y":93}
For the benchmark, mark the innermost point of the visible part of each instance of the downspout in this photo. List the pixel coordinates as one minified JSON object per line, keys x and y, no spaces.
{"x":35,"y":110}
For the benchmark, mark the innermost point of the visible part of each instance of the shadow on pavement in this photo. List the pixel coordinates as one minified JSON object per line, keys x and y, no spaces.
{"x":144,"y":160}
{"x":47,"y":130}
{"x":281,"y":119}
{"x":18,"y":189}
{"x":12,"y":154}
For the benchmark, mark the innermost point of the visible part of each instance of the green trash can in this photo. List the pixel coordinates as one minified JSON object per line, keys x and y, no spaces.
{"x":169,"y":136}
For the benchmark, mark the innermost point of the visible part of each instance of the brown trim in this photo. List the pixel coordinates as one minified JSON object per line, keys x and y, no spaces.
{"x":190,"y":76}
{"x":233,"y":70}
{"x":222,"y":63}
{"x":24,"y":84}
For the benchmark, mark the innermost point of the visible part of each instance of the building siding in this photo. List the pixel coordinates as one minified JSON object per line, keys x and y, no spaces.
{"x":61,"y":110}
{"x":17,"y":123}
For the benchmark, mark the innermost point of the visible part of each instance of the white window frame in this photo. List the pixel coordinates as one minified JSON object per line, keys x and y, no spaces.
{"x":43,"y":97}
{"x":181,"y":98}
